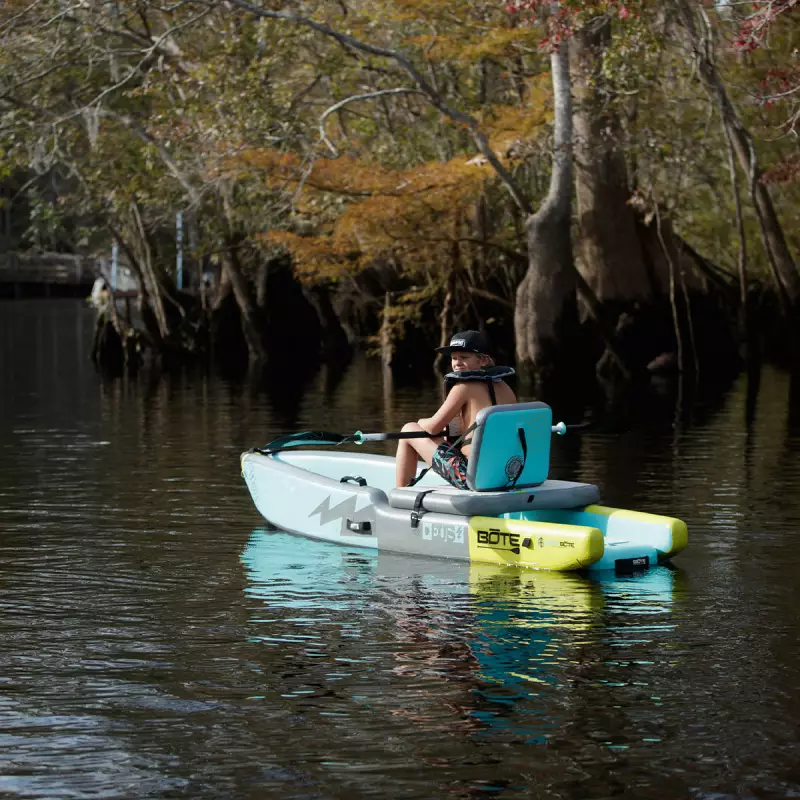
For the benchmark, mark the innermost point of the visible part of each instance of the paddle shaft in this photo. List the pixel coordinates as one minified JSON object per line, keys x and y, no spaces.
{"x":307,"y":438}
{"x":360,"y":438}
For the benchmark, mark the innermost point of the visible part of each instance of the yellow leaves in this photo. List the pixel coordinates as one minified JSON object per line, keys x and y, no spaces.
{"x":461,"y":30}
{"x":498,"y":42}
{"x":316,"y":258}
{"x":361,"y":212}
{"x":470,"y":45}
{"x":356,"y":178}
{"x":420,"y":10}
{"x":348,"y":175}
{"x":411,"y":215}
{"x":511,"y":128}
{"x":275,"y":165}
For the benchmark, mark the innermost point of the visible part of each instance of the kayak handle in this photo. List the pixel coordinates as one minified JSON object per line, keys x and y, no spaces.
{"x":560,"y":428}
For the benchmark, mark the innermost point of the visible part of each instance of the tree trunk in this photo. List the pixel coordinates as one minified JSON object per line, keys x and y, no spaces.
{"x":261,"y":283}
{"x":386,"y":338}
{"x":148,"y":320}
{"x":783,"y":267}
{"x":251,"y":324}
{"x":609,"y":251}
{"x":334,"y":339}
{"x":446,"y":319}
{"x":154,"y":298}
{"x":222,"y":291}
{"x":546,"y":305}
{"x":744,"y":306}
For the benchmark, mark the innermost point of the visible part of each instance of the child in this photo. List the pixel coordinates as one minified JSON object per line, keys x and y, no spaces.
{"x":475,"y":384}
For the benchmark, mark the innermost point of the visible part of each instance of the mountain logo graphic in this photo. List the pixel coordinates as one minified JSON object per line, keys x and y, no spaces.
{"x":344,"y":510}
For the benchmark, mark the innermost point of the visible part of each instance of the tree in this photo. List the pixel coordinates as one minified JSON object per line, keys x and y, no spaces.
{"x":545,"y":307}
{"x":127,"y":102}
{"x":787,"y":278}
{"x":354,"y":145}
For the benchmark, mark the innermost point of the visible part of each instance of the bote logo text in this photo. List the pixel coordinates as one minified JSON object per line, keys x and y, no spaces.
{"x":500,"y":539}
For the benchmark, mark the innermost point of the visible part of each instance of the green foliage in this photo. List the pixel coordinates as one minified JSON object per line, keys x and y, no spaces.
{"x":202,"y":107}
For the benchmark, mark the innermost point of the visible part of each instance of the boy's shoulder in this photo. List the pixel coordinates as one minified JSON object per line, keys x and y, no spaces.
{"x":477,"y":386}
{"x":477,"y":391}
{"x":468,"y":386}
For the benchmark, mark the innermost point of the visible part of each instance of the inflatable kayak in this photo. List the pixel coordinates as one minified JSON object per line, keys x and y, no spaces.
{"x":513,"y":513}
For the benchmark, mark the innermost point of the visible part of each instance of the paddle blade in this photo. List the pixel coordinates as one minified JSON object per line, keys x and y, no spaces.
{"x":301,"y":439}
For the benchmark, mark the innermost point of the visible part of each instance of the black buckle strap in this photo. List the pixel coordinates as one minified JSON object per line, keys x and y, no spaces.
{"x":353,"y":479}
{"x":415,"y":481}
{"x":462,"y":440}
{"x":418,"y":511}
{"x":457,"y":445}
{"x":523,"y":441}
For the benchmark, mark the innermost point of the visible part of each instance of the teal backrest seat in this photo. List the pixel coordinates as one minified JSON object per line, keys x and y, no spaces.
{"x":510,"y":447}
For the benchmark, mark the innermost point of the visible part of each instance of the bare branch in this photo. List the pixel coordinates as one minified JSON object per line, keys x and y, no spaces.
{"x":487,"y":295}
{"x":323,"y":136}
{"x":169,"y":162}
{"x":10,"y":23}
{"x":33,"y":78}
{"x":134,"y":70}
{"x":434,"y":97}
{"x":63,"y":14}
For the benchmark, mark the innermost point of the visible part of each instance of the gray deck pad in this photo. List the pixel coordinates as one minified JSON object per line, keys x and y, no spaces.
{"x":449,"y":500}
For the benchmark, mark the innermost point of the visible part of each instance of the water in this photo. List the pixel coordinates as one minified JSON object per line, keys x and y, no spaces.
{"x":156,"y":641}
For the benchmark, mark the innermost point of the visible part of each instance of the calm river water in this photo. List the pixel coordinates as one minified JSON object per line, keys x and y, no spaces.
{"x":156,"y":641}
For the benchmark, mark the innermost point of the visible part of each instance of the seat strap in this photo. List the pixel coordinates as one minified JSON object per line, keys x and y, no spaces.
{"x":492,"y":395}
{"x":418,"y":511}
{"x":462,"y":440}
{"x":523,"y":441}
{"x":457,"y":444}
{"x":415,"y":481}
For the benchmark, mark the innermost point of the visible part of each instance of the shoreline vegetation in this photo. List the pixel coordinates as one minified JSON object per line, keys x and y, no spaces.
{"x":605,"y":188}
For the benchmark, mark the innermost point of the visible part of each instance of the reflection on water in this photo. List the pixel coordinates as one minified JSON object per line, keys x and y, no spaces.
{"x":519,"y":640}
{"x":155,"y":645}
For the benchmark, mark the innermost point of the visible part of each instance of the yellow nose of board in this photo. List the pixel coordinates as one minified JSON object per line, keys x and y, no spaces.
{"x":536,"y":545}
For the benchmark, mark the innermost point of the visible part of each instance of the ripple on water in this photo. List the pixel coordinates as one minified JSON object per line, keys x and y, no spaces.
{"x":153,"y":644}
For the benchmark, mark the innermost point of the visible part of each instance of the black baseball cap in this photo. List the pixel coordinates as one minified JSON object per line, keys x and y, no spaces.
{"x":471,"y":341}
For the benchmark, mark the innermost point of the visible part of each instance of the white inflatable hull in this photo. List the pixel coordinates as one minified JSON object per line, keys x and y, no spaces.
{"x":558,"y":525}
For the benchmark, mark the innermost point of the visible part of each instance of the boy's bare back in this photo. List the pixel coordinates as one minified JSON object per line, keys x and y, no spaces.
{"x":470,"y":384}
{"x":476,"y":398}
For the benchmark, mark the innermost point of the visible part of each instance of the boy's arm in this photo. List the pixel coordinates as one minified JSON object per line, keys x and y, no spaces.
{"x":447,"y":412}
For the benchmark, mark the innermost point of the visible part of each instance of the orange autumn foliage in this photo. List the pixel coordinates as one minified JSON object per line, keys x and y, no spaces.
{"x":362,"y":212}
{"x":351,"y":213}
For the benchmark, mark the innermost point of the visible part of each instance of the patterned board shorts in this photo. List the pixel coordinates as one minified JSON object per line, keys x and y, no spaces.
{"x":451,"y":464}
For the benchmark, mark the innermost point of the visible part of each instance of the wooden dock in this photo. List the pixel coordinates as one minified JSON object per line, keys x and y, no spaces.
{"x":46,"y":274}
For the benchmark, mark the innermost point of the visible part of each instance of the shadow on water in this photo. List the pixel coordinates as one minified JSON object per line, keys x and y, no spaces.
{"x":287,"y":379}
{"x":665,"y":403}
{"x":284,"y":383}
{"x":793,"y":428}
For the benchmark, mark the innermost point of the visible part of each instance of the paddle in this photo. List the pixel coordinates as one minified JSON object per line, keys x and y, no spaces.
{"x":360,"y":438}
{"x":306,"y":438}
{"x":334,"y":439}
{"x":561,"y":428}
